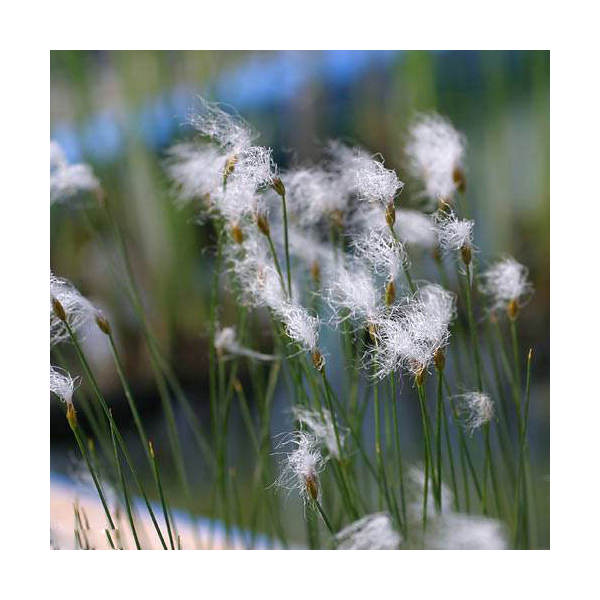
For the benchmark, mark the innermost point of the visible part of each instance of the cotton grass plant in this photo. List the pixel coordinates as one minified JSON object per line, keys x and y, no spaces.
{"x":322,"y":256}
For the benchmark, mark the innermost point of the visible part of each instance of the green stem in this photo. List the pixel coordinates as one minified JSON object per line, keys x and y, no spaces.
{"x":426,"y":449}
{"x":163,"y":501}
{"x":75,"y":430}
{"x":124,"y":488}
{"x":119,"y":437}
{"x":286,"y":244}
{"x":398,"y":452}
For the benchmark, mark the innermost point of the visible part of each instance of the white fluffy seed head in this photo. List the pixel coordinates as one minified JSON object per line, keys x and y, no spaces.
{"x":343,"y":162}
{"x":313,"y":195}
{"x":435,"y":152}
{"x":353,"y":292}
{"x":254,"y":168}
{"x":62,"y":384}
{"x":373,"y":532}
{"x":381,"y":252}
{"x":229,"y":131}
{"x":476,"y":409}
{"x":415,"y":490}
{"x":506,"y":281}
{"x":78,"y":310}
{"x":375,"y":183}
{"x":320,"y":424}
{"x":415,"y":229}
{"x":300,"y":326}
{"x":226,"y":342}
{"x":310,"y":250}
{"x":453,"y":233}
{"x":68,"y":181}
{"x":238,"y":201}
{"x":395,"y":348}
{"x":196,"y":171}
{"x":413,"y":332}
{"x":301,"y":467}
{"x":454,"y":531}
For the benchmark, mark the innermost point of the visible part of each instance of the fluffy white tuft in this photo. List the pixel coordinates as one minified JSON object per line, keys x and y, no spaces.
{"x":226,"y":342}
{"x":78,"y":309}
{"x":320,"y":424}
{"x":254,"y":167}
{"x":413,"y":332}
{"x":506,"y":281}
{"x":416,"y":488}
{"x":300,"y":326}
{"x":373,"y":532}
{"x":353,"y":292}
{"x":453,"y":233}
{"x":301,"y":467}
{"x":375,"y":183}
{"x":67,"y":181}
{"x":314,"y":195}
{"x":62,"y":384}
{"x":415,"y":229}
{"x":476,"y":409}
{"x":379,"y":249}
{"x":455,"y":531}
{"x":229,"y":131}
{"x":196,"y":170}
{"x":435,"y":153}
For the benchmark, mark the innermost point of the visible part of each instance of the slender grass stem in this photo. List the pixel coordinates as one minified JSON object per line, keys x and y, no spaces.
{"x":96,"y":480}
{"x":519,"y":509}
{"x":119,"y":437}
{"x":163,"y":500}
{"x":438,"y":438}
{"x":426,"y":450}
{"x":324,"y":516}
{"x":286,"y":245}
{"x":398,"y":451}
{"x":451,"y":458}
{"x":124,"y":488}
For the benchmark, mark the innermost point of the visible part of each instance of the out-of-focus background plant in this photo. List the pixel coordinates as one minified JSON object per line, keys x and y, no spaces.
{"x":120,"y":111}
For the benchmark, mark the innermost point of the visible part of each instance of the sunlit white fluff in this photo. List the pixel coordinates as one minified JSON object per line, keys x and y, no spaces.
{"x":453,"y":233}
{"x":476,"y":409}
{"x":410,"y":335}
{"x":506,"y":281}
{"x":313,"y":195}
{"x":228,"y":130}
{"x":262,"y":286}
{"x":245,"y":163}
{"x":237,"y":201}
{"x":300,"y":326}
{"x":310,"y":249}
{"x":254,"y":167}
{"x":435,"y":153}
{"x":416,"y":489}
{"x":352,"y":293}
{"x":196,"y":170}
{"x":320,"y":424}
{"x":454,"y":531}
{"x":375,"y":183}
{"x":343,"y":162}
{"x":395,"y":348}
{"x":78,"y":309}
{"x":368,"y":217}
{"x":373,"y":532}
{"x":226,"y":343}
{"x":381,"y":251}
{"x":66,"y":180}
{"x":62,"y":384}
{"x":415,"y":229}
{"x":301,"y":467}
